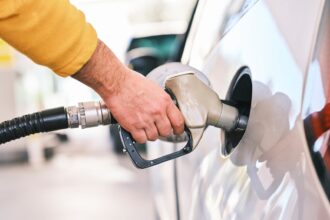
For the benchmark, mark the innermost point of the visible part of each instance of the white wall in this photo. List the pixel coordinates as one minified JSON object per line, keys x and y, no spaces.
{"x":7,"y":94}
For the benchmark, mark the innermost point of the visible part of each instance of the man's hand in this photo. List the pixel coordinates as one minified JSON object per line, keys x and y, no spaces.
{"x":138,"y":104}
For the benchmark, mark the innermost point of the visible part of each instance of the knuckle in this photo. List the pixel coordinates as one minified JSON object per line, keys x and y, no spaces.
{"x":167,"y":98}
{"x":164,"y":127}
{"x":138,"y":125}
{"x":157,"y":110}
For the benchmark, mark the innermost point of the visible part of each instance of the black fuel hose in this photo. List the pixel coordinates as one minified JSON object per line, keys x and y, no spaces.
{"x":44,"y":121}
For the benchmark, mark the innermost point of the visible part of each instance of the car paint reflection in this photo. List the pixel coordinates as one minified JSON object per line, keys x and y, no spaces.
{"x":272,"y":175}
{"x":266,"y":175}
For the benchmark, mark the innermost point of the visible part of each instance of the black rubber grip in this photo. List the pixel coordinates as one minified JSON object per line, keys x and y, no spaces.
{"x":44,"y":121}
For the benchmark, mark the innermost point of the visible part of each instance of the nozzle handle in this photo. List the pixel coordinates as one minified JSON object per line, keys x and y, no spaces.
{"x":139,"y":162}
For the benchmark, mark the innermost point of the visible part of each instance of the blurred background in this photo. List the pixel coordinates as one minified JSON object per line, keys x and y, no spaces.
{"x":82,"y":174}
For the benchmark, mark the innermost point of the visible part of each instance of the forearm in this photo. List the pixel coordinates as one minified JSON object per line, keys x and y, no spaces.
{"x":104,"y":73}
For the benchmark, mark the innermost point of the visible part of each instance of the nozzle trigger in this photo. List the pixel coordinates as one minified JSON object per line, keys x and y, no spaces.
{"x":139,"y":162}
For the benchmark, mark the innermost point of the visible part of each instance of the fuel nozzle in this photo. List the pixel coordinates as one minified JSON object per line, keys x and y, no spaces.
{"x":201,"y":106}
{"x":230,"y":119}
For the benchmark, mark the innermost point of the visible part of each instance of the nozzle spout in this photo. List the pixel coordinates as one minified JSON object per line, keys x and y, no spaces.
{"x":230,"y":119}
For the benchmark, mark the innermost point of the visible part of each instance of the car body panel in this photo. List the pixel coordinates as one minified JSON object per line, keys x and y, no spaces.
{"x":270,"y":175}
{"x":162,"y":179}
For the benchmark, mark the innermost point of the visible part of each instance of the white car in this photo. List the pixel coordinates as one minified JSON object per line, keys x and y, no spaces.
{"x":279,"y":169}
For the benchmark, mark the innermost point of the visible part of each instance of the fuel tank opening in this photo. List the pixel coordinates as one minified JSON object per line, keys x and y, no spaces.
{"x":239,"y":95}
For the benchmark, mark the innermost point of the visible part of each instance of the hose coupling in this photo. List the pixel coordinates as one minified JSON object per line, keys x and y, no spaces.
{"x":88,"y":114}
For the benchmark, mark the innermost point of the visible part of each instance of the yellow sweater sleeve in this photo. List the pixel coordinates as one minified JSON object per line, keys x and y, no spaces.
{"x":51,"y":32}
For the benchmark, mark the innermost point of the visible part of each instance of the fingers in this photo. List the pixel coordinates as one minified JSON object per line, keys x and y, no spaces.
{"x":171,"y":119}
{"x":176,"y":119}
{"x":139,"y":136}
{"x":151,"y":132}
{"x":164,"y":126}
